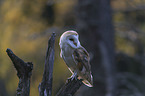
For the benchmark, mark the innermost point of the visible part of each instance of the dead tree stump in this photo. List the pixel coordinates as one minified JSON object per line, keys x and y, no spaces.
{"x":45,"y":87}
{"x":24,"y":72}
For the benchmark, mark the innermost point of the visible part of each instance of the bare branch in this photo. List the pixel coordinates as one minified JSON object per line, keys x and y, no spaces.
{"x":24,"y":72}
{"x":70,"y":88}
{"x":45,"y":87}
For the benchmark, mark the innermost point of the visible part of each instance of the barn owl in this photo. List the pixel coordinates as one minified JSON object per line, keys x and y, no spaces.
{"x":76,"y":57}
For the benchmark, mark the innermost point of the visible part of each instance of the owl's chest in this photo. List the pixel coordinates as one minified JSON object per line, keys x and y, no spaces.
{"x":68,"y":58}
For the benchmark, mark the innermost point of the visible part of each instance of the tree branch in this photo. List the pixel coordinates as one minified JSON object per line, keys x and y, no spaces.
{"x":24,"y":72}
{"x":45,"y":87}
{"x":70,"y":88}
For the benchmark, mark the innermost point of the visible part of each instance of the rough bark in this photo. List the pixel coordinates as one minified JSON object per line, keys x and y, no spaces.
{"x":45,"y":87}
{"x":96,"y":32}
{"x":70,"y":88}
{"x":24,"y":72}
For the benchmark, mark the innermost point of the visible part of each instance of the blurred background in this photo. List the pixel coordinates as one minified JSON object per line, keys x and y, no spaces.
{"x":113,"y":32}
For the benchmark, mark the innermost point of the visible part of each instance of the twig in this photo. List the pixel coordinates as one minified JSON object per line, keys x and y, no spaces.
{"x":24,"y":72}
{"x":70,"y":88}
{"x":45,"y":87}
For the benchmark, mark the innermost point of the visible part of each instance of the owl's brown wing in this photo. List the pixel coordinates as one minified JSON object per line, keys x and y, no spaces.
{"x":81,"y":57}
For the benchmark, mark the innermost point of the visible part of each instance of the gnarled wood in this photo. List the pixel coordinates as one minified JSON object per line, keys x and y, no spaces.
{"x":24,"y":72}
{"x":45,"y":87}
{"x":70,"y":88}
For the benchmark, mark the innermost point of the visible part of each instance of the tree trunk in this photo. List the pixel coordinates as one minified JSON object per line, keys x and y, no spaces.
{"x":96,"y":32}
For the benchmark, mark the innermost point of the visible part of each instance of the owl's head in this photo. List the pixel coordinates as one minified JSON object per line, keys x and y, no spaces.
{"x":71,"y":38}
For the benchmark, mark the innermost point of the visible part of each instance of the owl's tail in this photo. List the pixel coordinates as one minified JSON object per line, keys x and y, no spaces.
{"x":88,"y":82}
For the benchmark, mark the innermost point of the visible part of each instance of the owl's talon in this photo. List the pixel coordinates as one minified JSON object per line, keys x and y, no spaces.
{"x":75,"y":77}
{"x":71,"y":78}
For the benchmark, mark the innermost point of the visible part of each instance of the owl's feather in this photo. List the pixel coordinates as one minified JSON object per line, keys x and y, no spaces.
{"x":81,"y":58}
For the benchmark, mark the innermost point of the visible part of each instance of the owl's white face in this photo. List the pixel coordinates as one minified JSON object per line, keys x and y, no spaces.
{"x":71,"y":38}
{"x":73,"y":41}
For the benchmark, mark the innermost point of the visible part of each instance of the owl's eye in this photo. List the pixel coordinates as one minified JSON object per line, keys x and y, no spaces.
{"x":71,"y":39}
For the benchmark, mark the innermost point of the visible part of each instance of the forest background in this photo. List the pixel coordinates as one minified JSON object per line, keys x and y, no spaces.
{"x":26,"y":25}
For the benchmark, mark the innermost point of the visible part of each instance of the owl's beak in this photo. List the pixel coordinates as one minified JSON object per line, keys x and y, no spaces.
{"x":75,"y":43}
